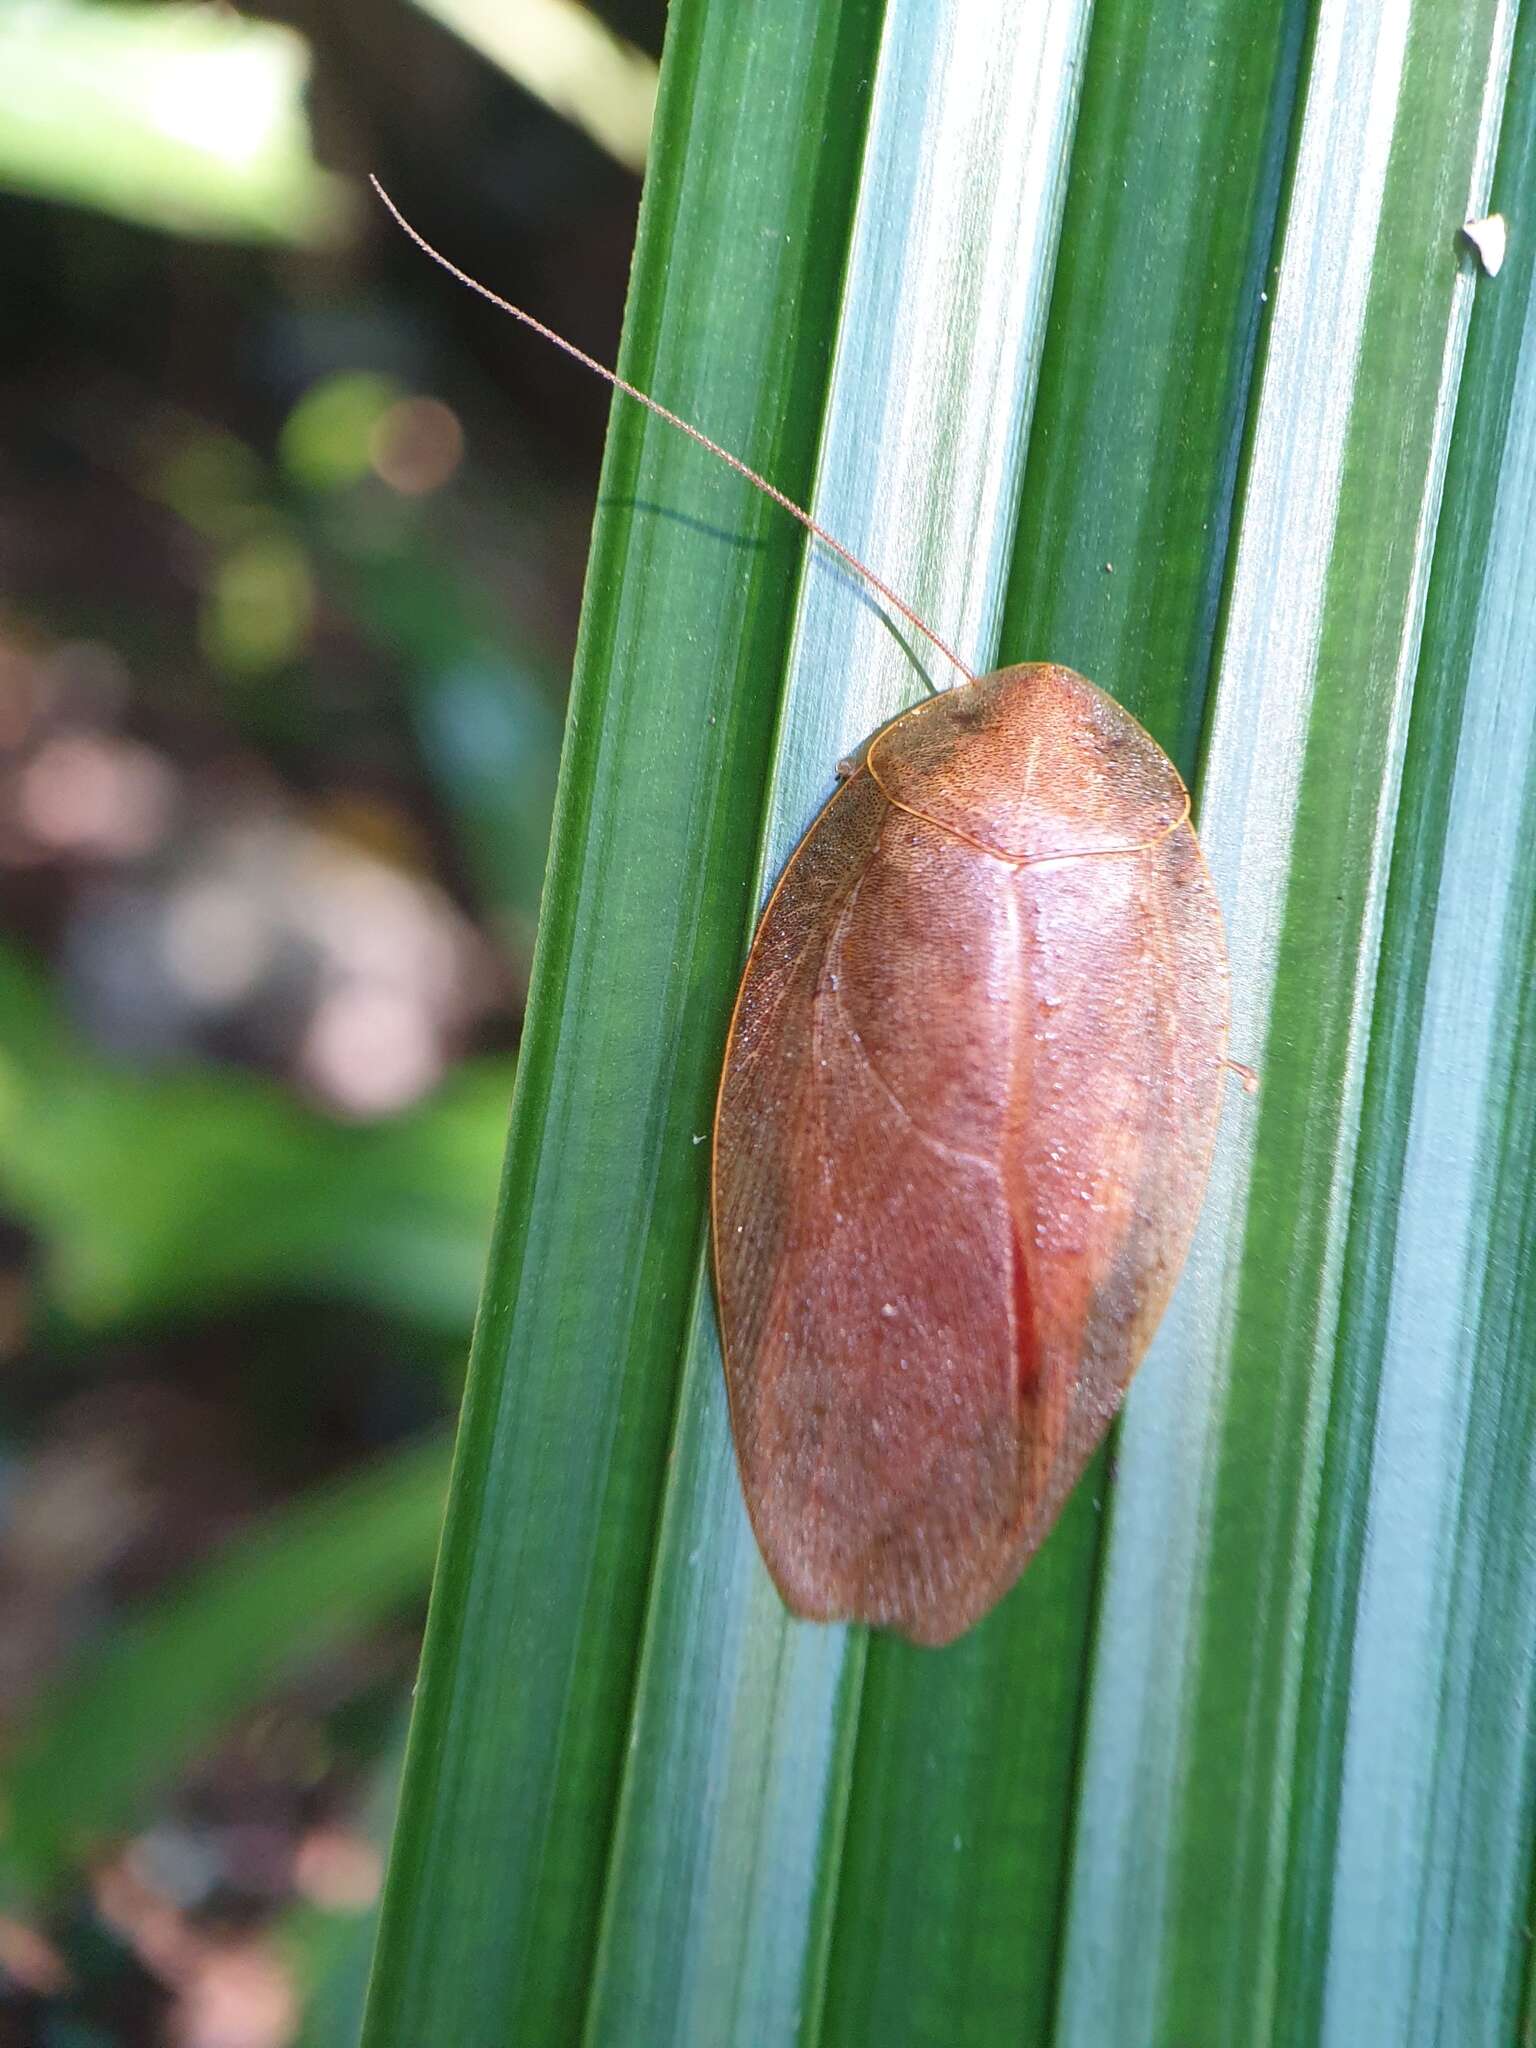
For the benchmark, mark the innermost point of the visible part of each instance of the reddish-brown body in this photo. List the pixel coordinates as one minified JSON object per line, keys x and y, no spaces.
{"x":964,"y":1130}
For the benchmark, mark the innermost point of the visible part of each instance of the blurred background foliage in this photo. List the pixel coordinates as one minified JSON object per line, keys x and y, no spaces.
{"x":294,"y":542}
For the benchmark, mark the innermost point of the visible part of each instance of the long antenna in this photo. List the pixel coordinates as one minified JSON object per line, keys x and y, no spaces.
{"x":732,"y":461}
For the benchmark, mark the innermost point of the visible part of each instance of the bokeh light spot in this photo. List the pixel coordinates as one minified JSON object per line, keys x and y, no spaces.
{"x":326,"y":442}
{"x":416,"y":445}
{"x":260,"y":606}
{"x":216,"y":941}
{"x":371,"y":1050}
{"x":84,"y":793}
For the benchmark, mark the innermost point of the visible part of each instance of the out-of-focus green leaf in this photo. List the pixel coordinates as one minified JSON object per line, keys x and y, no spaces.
{"x":564,"y":52}
{"x":183,"y":117}
{"x":161,"y":1192}
{"x":101,"y":1742}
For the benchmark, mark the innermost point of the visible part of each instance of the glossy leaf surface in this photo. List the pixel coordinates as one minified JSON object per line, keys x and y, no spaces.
{"x":720,"y":1905}
{"x":1267,"y":1767}
{"x":1210,"y":1575}
{"x":570,"y":1398}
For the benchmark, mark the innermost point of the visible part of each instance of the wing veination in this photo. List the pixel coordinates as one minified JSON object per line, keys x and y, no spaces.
{"x":866,"y":1257}
{"x":964,"y":1125}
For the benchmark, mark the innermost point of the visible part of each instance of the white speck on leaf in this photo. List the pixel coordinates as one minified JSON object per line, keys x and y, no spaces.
{"x":1490,"y":238}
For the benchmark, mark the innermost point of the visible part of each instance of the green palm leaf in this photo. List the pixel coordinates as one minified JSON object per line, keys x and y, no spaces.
{"x":1149,"y":345}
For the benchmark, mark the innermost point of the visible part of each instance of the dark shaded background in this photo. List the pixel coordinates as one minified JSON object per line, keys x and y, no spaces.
{"x":293,"y":542}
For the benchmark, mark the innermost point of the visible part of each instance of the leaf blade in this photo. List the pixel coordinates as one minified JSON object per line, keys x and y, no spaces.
{"x":571,"y":1383}
{"x":1197,"y":1696}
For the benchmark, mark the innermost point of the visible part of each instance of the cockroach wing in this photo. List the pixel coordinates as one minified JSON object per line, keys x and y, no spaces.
{"x":963,"y":1132}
